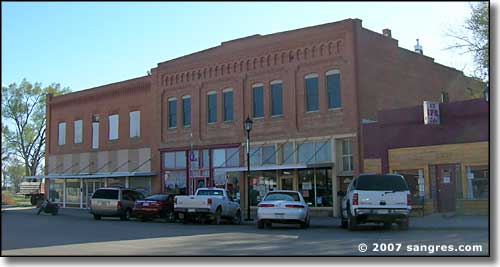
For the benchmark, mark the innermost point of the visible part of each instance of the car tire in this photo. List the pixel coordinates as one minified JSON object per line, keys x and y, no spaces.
{"x":237,"y":217}
{"x":343,"y":221}
{"x":404,"y":225}
{"x":352,"y":223}
{"x":185,"y":219}
{"x":97,"y":217}
{"x":126,"y":216}
{"x":260,"y":224}
{"x":217,"y":216}
{"x":305,"y":224}
{"x":171,"y":217}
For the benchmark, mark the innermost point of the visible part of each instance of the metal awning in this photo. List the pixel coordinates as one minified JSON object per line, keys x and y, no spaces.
{"x":264,"y":168}
{"x":91,"y":175}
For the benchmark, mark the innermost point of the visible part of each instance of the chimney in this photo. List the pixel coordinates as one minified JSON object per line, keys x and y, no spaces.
{"x":419,"y":49}
{"x":387,"y":33}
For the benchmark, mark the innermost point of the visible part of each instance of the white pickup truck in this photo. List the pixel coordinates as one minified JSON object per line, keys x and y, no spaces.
{"x":208,"y":203}
{"x":380,"y":198}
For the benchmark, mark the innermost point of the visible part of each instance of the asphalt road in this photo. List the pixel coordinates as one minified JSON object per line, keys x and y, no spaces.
{"x":24,"y":233}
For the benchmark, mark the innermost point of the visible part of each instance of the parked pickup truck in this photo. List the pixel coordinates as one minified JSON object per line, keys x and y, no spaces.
{"x":208,"y":203}
{"x":379,"y":198}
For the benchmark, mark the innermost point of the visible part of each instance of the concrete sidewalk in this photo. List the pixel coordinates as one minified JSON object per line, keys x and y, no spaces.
{"x":433,"y":221}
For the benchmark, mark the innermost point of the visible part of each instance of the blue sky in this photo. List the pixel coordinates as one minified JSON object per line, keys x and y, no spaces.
{"x":87,"y":44}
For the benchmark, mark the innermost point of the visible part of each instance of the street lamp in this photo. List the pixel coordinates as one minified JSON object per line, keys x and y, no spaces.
{"x":248,"y":128}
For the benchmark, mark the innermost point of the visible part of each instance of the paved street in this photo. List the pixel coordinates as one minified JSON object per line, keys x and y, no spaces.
{"x":76,"y":233}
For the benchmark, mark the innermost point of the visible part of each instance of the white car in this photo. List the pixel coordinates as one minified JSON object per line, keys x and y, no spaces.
{"x":283,"y":206}
{"x":208,"y":203}
{"x":379,"y":198}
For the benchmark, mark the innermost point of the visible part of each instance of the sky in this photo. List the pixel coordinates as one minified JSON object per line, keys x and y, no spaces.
{"x":86,"y":44}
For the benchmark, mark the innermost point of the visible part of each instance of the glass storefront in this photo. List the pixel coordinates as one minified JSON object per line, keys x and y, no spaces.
{"x":56,"y":190}
{"x":175,"y":182}
{"x":141,"y":184}
{"x":316,"y":186}
{"x":73,"y":191}
{"x":116,"y":181}
{"x":261,"y":182}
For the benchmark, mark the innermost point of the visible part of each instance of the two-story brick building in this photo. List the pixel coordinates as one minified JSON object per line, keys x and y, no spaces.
{"x":306,"y":90}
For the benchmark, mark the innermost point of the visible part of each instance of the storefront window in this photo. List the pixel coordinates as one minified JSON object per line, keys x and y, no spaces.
{"x":73,"y":191}
{"x":306,"y":152}
{"x":269,"y":155}
{"x":347,"y":160}
{"x":479,"y":177}
{"x":324,"y":151}
{"x":226,"y":157}
{"x":411,"y":178}
{"x":141,"y":184}
{"x":261,"y":183}
{"x":175,"y":182}
{"x":255,"y":156}
{"x":116,"y":181}
{"x":219,"y":157}
{"x":56,"y":190}
{"x":229,"y":181}
{"x":316,"y":187}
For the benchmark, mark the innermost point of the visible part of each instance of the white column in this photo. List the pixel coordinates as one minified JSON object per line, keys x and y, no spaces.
{"x":126,"y":182}
{"x":81,"y":193}
{"x":105,"y":182}
{"x":470,"y":187}
{"x":64,"y":193}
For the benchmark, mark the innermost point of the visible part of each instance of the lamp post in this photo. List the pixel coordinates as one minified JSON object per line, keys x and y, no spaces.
{"x":248,"y":128}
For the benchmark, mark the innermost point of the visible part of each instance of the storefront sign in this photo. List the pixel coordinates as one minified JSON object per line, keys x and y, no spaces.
{"x":307,"y":185}
{"x":431,"y":112}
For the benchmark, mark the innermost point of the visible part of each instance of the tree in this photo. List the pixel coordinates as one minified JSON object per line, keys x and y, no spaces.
{"x":23,"y":122}
{"x":473,"y":37}
{"x":14,"y":173}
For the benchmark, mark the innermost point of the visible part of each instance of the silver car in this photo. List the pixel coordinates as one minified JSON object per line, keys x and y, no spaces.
{"x":114,"y":202}
{"x":283,"y":206}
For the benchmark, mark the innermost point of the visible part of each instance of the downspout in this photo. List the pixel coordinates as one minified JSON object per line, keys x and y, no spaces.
{"x":356,"y":26}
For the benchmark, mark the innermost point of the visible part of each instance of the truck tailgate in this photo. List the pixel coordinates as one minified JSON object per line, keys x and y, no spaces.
{"x":382,"y":199}
{"x":192,"y":202}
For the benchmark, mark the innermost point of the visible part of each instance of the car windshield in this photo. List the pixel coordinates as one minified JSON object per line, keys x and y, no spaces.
{"x":381,"y":183}
{"x":157,"y":197}
{"x":284,"y":196}
{"x":106,"y":194}
{"x":210,"y":193}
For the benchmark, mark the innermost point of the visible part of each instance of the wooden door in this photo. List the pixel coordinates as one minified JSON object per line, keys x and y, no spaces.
{"x":446,"y":186}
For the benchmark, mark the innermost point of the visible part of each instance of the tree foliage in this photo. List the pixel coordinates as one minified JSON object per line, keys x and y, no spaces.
{"x":473,"y":37}
{"x":23,"y":122}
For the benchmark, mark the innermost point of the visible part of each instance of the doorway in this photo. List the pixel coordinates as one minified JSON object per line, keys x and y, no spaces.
{"x":286,"y":180}
{"x":89,"y":187}
{"x":446,"y":187}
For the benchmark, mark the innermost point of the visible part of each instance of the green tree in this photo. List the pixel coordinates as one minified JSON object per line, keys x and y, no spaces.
{"x":14,"y":173}
{"x":23,"y":122}
{"x":473,"y":37}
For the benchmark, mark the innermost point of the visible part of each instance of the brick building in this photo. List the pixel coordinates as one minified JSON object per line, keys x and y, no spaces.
{"x":446,"y":165}
{"x":306,"y":90}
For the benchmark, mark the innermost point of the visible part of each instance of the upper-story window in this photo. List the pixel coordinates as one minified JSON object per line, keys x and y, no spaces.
{"x":276,"y":98}
{"x":113,"y":126}
{"x":172,"y":112}
{"x":288,"y":153}
{"x":333,"y":88}
{"x":186,"y":111}
{"x":228,"y":104}
{"x":211,"y":107}
{"x":135,"y":123}
{"x":258,"y":100}
{"x":315,"y":151}
{"x":95,"y":131}
{"x":61,"y":137}
{"x":312,"y":97}
{"x":347,"y":160}
{"x":78,"y":128}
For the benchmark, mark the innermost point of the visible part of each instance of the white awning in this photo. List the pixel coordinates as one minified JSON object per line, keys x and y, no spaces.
{"x":91,"y":175}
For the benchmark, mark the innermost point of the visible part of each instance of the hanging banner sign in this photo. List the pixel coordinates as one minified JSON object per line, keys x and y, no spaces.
{"x":431,"y":112}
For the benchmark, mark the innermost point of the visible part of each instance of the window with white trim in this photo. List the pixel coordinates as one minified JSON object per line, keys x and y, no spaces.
{"x":312,"y":94}
{"x":61,"y":137}
{"x":95,"y":131}
{"x":333,"y":88}
{"x":347,"y":160}
{"x":113,"y":126}
{"x":172,"y":112}
{"x":135,"y":123}
{"x":78,"y":131}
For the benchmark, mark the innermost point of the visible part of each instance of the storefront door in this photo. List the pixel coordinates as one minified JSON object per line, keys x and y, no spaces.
{"x":445,"y":181}
{"x":89,"y":187}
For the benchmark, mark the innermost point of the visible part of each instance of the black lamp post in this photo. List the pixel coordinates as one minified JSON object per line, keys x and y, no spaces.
{"x":248,"y":128}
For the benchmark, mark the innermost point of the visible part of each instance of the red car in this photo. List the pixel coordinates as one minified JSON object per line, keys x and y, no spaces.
{"x":155,"y":206}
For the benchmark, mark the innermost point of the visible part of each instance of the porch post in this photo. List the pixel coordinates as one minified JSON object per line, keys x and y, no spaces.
{"x":81,"y":193}
{"x":64,"y":193}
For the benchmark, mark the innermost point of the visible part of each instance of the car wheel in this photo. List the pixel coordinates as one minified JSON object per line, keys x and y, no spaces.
{"x":305,"y":224}
{"x":343,"y":221}
{"x":217,"y":216}
{"x":126,"y":216}
{"x":185,"y":219}
{"x":237,"y":218}
{"x":260,"y":224}
{"x":404,"y":225}
{"x":352,"y":223}
{"x":171,"y":218}
{"x":97,"y":217}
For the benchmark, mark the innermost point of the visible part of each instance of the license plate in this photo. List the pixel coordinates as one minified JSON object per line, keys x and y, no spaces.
{"x":191,"y":210}
{"x":105,"y":203}
{"x":383,"y":211}
{"x":279,"y":215}
{"x":145,"y":204}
